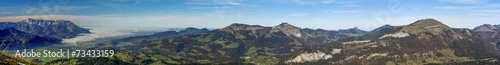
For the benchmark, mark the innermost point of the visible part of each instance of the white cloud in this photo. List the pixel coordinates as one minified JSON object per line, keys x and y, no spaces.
{"x":233,"y":3}
{"x":484,"y":14}
{"x":71,"y":8}
{"x":464,"y":1}
{"x":40,"y":10}
{"x":451,"y":7}
{"x":48,"y":17}
{"x":346,"y":11}
{"x":303,"y":2}
{"x":415,"y":8}
{"x":30,"y":11}
{"x":313,"y":2}
{"x":489,"y":10}
{"x":345,"y":2}
{"x":471,"y":7}
{"x":351,"y":5}
{"x":297,"y":14}
{"x":228,"y":2}
{"x":327,"y":1}
{"x":4,"y":12}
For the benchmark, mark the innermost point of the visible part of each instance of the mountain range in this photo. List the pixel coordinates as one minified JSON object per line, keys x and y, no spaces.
{"x":490,"y":33}
{"x":161,"y":35}
{"x":33,"y":32}
{"x":235,"y":43}
{"x":426,"y":41}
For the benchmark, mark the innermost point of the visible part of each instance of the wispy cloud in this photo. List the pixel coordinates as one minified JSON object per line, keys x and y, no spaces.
{"x":464,"y":1}
{"x":489,"y":10}
{"x":327,"y":1}
{"x":351,"y":5}
{"x":485,"y":14}
{"x":120,"y":4}
{"x":303,"y":2}
{"x":49,"y":17}
{"x":236,"y":3}
{"x":345,"y":2}
{"x":297,"y":14}
{"x":13,"y":9}
{"x":40,"y":10}
{"x":228,"y":2}
{"x":346,"y":11}
{"x":30,"y":10}
{"x":465,"y":7}
{"x":4,"y":12}
{"x":313,"y":2}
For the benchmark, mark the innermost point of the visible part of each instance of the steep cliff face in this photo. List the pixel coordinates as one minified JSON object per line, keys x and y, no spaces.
{"x":36,"y":32}
{"x":237,"y":29}
{"x":490,"y":33}
{"x":52,"y":28}
{"x":426,"y":41}
{"x":295,"y":33}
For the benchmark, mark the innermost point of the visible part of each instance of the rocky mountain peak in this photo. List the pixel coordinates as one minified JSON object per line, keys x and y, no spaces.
{"x":383,"y":27}
{"x":488,"y":32}
{"x":486,"y":28}
{"x":287,"y":27}
{"x":53,"y":28}
{"x":488,"y":25}
{"x":239,"y":27}
{"x":353,"y":30}
{"x":285,"y":24}
{"x":290,"y":30}
{"x":46,"y":22}
{"x":428,"y":21}
{"x":426,"y":25}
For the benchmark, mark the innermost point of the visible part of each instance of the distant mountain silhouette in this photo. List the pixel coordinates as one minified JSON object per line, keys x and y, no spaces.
{"x":34,"y":32}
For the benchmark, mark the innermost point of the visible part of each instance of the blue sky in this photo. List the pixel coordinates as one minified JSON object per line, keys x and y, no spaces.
{"x":325,"y":14}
